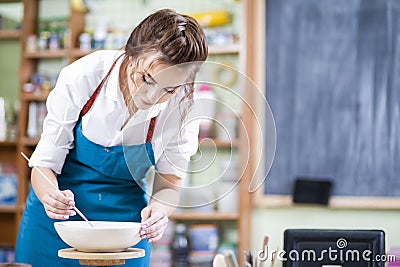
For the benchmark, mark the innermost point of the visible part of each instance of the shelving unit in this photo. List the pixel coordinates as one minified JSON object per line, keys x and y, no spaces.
{"x":10,"y":216}
{"x":213,"y":216}
{"x":8,"y":213}
{"x":47,"y":54}
{"x":8,"y":143}
{"x":9,"y":34}
{"x":212,"y":50}
{"x":8,"y":150}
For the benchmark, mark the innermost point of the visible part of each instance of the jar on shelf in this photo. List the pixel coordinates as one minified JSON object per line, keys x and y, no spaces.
{"x":43,"y":40}
{"x":54,"y":42}
{"x":85,"y":40}
{"x":31,"y":43}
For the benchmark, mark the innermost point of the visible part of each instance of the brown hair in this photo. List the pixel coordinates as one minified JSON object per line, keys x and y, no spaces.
{"x":176,"y":38}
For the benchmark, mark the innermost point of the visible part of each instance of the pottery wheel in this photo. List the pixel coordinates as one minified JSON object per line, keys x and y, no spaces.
{"x":101,"y":258}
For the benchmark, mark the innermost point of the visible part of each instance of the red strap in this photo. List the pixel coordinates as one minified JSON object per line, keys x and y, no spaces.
{"x":88,"y":105}
{"x":150,"y":131}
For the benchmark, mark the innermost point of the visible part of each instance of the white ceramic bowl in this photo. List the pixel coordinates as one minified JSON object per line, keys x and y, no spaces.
{"x":103,"y":237}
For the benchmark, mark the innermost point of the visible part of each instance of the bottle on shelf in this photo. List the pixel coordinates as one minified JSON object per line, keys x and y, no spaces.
{"x":32,"y":121}
{"x":180,"y":247}
{"x":100,"y":34}
{"x":3,"y":122}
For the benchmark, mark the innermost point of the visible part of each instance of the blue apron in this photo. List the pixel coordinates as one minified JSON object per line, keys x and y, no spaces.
{"x":104,"y":181}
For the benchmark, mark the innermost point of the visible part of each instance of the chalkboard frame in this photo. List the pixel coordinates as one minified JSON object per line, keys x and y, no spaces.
{"x":279,"y":200}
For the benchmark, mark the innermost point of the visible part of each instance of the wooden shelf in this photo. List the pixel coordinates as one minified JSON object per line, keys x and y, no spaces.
{"x":76,"y":52}
{"x":198,"y":216}
{"x":47,"y":54}
{"x":226,"y":49}
{"x":34,"y":96}
{"x":8,"y":143}
{"x":9,"y":34}
{"x":212,"y":50}
{"x":26,"y":141}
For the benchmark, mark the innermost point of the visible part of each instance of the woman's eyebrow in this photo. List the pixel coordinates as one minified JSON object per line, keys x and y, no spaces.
{"x":172,"y":87}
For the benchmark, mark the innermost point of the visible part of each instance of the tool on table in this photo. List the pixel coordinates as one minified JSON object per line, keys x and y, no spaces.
{"x":248,"y":259}
{"x":54,"y":186}
{"x":219,"y":261}
{"x":230,"y":259}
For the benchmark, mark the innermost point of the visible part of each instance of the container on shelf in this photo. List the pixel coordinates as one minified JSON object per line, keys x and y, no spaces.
{"x":3,"y":122}
{"x":180,"y":246}
{"x":31,"y":43}
{"x":54,"y":42}
{"x":8,"y":183}
{"x":203,"y":237}
{"x":43,"y":41}
{"x":28,"y":87}
{"x":85,"y":40}
{"x":100,"y":34}
{"x":31,"y":131}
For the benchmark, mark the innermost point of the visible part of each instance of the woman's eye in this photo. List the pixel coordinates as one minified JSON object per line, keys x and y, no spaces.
{"x":171,"y":91}
{"x":145,"y":79}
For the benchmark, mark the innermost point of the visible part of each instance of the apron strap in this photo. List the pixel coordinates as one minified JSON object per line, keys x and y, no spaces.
{"x":88,"y":105}
{"x":150,"y":130}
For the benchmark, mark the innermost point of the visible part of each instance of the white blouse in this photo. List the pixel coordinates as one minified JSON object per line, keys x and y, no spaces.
{"x":174,"y":142}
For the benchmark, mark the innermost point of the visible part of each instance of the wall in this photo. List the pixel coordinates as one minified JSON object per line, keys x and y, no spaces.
{"x":9,"y":64}
{"x":9,"y":54}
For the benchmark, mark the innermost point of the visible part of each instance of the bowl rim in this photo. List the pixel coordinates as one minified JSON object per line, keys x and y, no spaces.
{"x":98,"y":225}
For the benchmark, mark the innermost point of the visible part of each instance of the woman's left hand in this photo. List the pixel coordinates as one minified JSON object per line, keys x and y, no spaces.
{"x":154,"y":222}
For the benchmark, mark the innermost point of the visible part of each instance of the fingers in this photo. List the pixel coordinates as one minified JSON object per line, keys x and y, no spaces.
{"x":59,"y":204}
{"x":68,"y":193}
{"x":145,"y":213}
{"x":59,"y":216}
{"x":154,"y":223}
{"x":153,"y":216}
{"x":156,"y":234}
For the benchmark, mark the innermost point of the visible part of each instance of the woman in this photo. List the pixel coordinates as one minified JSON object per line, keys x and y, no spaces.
{"x":111,"y":116}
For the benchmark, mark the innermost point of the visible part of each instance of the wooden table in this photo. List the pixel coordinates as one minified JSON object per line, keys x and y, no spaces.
{"x":101,"y":258}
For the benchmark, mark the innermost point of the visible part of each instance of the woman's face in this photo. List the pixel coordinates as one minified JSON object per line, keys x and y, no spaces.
{"x":154,"y":84}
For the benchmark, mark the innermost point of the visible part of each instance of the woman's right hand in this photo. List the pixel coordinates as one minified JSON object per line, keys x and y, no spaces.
{"x":59,"y":204}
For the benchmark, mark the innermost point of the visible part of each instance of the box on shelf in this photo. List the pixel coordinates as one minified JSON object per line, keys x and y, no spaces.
{"x":8,"y":183}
